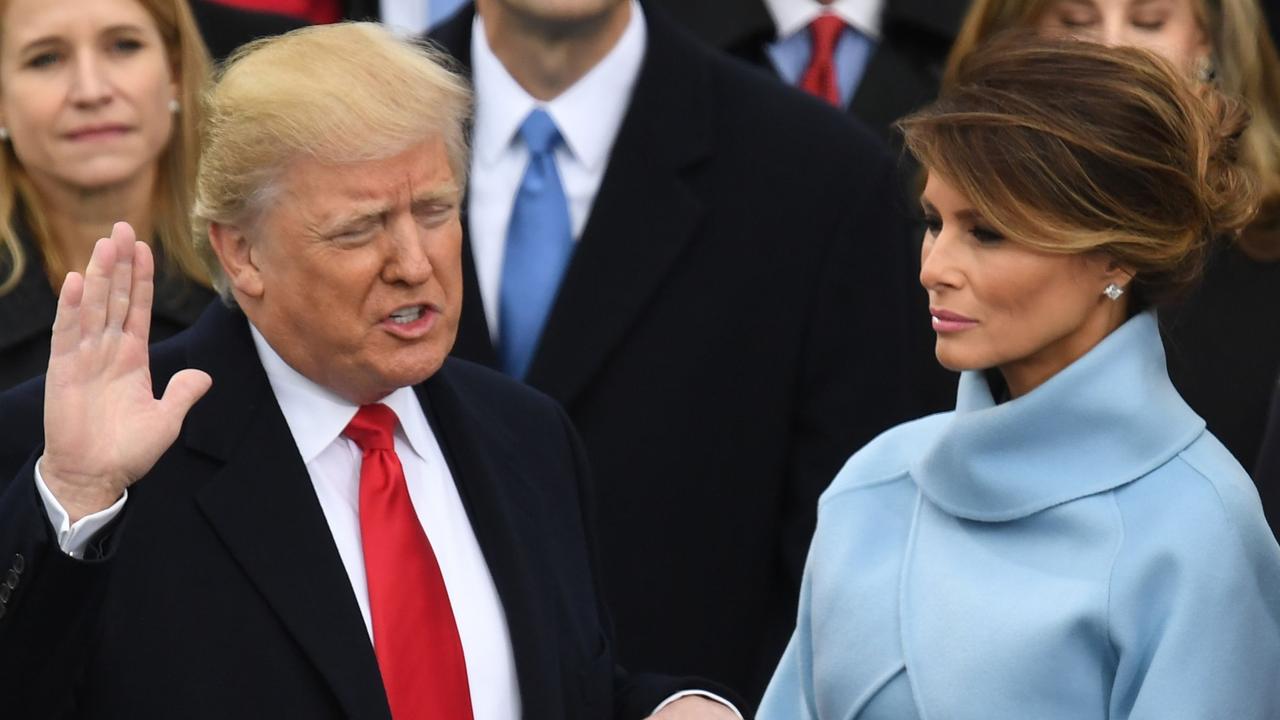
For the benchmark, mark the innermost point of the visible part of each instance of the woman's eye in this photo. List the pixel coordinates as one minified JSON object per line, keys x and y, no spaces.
{"x":986,"y":236}
{"x":44,"y":59}
{"x":1075,"y":22}
{"x":933,"y":225}
{"x":1148,"y":24}
{"x":126,"y":46}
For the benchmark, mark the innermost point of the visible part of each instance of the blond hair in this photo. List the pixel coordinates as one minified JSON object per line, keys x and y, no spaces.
{"x":346,"y":92}
{"x":1247,"y":67}
{"x":1073,"y":147}
{"x":174,"y":189}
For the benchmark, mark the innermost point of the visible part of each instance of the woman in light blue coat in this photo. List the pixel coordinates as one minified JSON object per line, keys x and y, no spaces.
{"x":1069,"y":543}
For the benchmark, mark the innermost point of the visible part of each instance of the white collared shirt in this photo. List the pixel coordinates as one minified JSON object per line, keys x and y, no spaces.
{"x":792,"y":16}
{"x":589,"y":114}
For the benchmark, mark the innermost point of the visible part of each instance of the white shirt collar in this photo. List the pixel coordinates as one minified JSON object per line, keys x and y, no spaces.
{"x":589,"y":113}
{"x":792,"y":16}
{"x":317,"y":416}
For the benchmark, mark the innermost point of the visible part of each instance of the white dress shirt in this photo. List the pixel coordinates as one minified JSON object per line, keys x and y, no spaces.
{"x":589,"y":114}
{"x":792,"y":16}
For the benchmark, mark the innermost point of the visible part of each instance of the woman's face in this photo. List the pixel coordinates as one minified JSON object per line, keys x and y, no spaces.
{"x":999,"y":303}
{"x":85,"y":89}
{"x":1167,"y":27}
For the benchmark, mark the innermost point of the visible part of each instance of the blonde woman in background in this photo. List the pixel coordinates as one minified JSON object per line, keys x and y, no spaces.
{"x":1222,"y":342}
{"x":99,"y":118}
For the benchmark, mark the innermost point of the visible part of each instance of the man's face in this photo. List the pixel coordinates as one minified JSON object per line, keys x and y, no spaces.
{"x":355,"y":276}
{"x":555,"y":12}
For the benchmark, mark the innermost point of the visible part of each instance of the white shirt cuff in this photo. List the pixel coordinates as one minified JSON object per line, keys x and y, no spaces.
{"x":74,"y":537}
{"x":702,"y":693}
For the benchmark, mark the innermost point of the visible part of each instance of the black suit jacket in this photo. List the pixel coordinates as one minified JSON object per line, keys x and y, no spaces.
{"x":221,"y":593}
{"x":226,"y":28}
{"x":735,"y":321}
{"x":903,"y":72}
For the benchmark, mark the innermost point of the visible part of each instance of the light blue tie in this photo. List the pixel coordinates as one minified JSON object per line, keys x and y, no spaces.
{"x":539,"y":244}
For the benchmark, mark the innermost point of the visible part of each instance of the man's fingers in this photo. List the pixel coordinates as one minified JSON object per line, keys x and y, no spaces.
{"x":138,"y":320}
{"x":97,"y":286}
{"x":66,"y":324}
{"x":118,"y":294}
{"x":184,"y":389}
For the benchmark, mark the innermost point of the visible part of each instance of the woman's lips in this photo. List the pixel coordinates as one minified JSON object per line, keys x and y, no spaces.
{"x":97,"y":132}
{"x":947,"y":321}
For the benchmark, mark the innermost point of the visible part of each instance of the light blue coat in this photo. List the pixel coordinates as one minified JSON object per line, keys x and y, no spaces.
{"x":1085,"y":551}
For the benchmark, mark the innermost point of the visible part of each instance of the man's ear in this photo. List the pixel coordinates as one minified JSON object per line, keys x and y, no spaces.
{"x":235,"y":253}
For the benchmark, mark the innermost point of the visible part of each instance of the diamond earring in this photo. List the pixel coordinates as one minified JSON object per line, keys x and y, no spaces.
{"x":4,"y":133}
{"x":174,"y":106}
{"x":1113,"y":291}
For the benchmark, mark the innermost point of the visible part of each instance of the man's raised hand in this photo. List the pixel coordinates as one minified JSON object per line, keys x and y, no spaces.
{"x":103,"y":427}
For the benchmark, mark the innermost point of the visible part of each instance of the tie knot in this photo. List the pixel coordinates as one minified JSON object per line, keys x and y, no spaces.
{"x":826,"y":30}
{"x":372,"y":428}
{"x":539,"y":132}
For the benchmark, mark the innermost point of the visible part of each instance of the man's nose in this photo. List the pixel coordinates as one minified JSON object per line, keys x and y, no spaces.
{"x":408,"y":261}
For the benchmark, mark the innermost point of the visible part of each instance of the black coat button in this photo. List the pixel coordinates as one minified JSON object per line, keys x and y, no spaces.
{"x":11,"y":579}
{"x":19,"y":563}
{"x":5,"y":593}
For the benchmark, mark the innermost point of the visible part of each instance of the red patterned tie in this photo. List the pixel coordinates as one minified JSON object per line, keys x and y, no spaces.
{"x":414,"y":634}
{"x":820,"y":77}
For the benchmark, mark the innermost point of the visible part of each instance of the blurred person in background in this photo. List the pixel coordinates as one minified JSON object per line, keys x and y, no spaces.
{"x":1223,"y":355}
{"x":99,"y":116}
{"x":706,"y":269}
{"x":1071,"y":542}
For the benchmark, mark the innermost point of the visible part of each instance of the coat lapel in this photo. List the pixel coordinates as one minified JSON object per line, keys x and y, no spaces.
{"x":501,"y":505}
{"x":263,"y":506}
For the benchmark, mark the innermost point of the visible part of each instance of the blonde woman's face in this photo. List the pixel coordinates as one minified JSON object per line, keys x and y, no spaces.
{"x":85,"y":89}
{"x":996,"y":303}
{"x":1168,"y":27}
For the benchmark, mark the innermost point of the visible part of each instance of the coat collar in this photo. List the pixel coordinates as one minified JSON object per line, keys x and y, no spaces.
{"x":1105,"y":420}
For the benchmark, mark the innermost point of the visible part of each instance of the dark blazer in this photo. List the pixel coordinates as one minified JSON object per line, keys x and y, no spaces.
{"x":221,"y":593}
{"x":904,"y":71}
{"x":736,"y":321}
{"x":26,"y":315}
{"x":227,"y":28}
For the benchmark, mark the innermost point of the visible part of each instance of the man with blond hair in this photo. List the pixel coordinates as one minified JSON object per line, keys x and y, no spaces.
{"x":322,"y":516}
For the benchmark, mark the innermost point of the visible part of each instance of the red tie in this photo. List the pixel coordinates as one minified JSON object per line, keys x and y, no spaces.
{"x":414,"y":634}
{"x":820,"y":77}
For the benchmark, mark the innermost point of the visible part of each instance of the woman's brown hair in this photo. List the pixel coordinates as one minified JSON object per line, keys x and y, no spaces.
{"x":1246,"y":64}
{"x":174,"y":190}
{"x":1073,"y":147}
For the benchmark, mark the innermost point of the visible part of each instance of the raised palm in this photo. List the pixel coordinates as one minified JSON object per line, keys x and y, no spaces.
{"x":104,"y":428}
